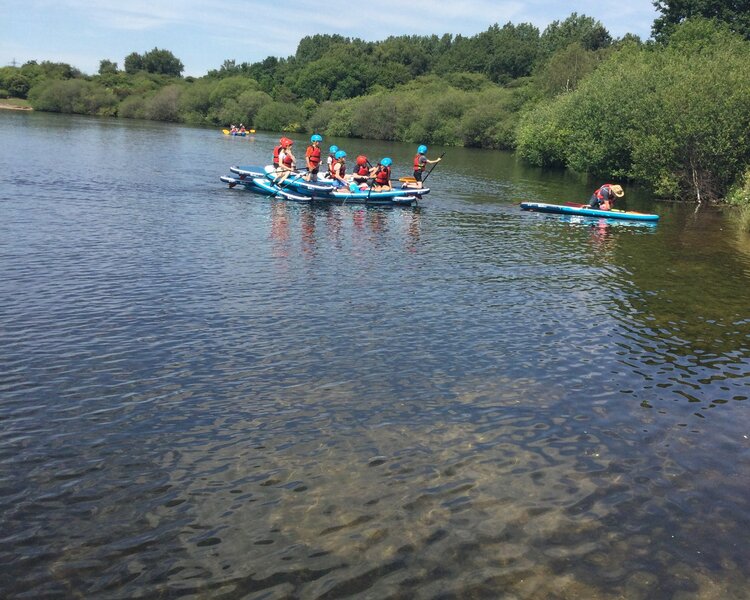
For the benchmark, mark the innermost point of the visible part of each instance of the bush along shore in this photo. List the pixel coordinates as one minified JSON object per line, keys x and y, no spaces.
{"x":672,"y":113}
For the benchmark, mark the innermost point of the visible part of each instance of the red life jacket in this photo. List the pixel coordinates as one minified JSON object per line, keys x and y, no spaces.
{"x":342,"y":169}
{"x":362,"y":170}
{"x":603,"y":195}
{"x":417,"y":165}
{"x":383,"y":175}
{"x":287,"y":160}
{"x":313,"y":155}
{"x":276,"y":151}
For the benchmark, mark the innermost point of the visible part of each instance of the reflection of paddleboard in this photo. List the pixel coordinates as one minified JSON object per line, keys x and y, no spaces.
{"x":585,"y":211}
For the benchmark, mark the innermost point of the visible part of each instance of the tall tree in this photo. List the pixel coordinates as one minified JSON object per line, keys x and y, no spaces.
{"x":736,"y":13}
{"x":162,"y":62}
{"x":587,"y":31}
{"x":107,"y":67}
{"x":133,"y":63}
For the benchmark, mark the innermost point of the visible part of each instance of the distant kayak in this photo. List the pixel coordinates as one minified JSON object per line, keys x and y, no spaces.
{"x":238,"y":133}
{"x":584,"y":210}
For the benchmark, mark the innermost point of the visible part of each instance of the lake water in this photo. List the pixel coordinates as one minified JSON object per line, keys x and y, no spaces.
{"x":209,"y":394}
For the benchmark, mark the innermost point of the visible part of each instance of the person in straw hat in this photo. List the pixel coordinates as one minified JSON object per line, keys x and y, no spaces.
{"x":604,"y":197}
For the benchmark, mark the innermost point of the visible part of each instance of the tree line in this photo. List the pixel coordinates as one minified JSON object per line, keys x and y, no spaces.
{"x":672,"y":113}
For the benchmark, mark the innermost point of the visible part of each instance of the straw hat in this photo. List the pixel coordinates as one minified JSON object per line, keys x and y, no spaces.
{"x":617,"y":189}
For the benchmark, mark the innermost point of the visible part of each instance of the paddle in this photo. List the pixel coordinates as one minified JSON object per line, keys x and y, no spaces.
{"x":433,"y":168}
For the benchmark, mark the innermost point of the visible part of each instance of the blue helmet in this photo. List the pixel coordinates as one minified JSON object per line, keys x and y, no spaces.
{"x":386,"y":162}
{"x":422,"y":149}
{"x":340,"y":154}
{"x":316,"y":138}
{"x":333,"y":149}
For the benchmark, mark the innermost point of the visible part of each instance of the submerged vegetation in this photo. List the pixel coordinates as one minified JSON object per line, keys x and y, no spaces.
{"x":673,"y":113}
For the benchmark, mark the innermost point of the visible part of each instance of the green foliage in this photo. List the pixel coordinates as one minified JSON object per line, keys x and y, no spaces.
{"x":566,"y":68}
{"x":107,"y":67}
{"x":735,"y":14}
{"x":543,"y":138}
{"x":161,"y":62}
{"x":586,"y":31}
{"x":675,"y":117}
{"x":133,"y":107}
{"x":133,"y":63}
{"x":500,"y":53}
{"x":73,"y":96}
{"x":280,"y":116}
{"x":14,"y":83}
{"x":739,"y":194}
{"x":165,"y":105}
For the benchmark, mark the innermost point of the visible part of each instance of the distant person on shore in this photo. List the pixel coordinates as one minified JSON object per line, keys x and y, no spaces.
{"x":604,"y":198}
{"x":313,"y":157}
{"x":420,"y":162}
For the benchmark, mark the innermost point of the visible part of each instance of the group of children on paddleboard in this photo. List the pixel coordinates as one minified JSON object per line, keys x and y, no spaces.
{"x":365,"y":173}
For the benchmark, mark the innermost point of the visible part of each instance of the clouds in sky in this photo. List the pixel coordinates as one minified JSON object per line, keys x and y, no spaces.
{"x":203,"y":34}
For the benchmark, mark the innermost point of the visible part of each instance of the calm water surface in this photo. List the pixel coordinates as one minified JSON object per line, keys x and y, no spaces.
{"x":205,"y":393}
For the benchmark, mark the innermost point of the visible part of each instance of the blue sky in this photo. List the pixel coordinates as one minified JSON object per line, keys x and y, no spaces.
{"x":203,"y":34}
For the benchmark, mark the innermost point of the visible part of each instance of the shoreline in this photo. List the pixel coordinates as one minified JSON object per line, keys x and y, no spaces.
{"x":14,"y":107}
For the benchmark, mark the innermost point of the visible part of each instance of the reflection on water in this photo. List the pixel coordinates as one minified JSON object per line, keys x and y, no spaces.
{"x":207,"y":393}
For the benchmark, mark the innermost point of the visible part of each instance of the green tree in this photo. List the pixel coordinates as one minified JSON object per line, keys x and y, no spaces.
{"x":735,"y":13}
{"x":14,"y":82}
{"x":162,"y":62}
{"x":73,"y":96}
{"x":107,"y":67}
{"x":587,"y":31}
{"x":133,"y":63}
{"x":566,"y":68}
{"x":279,"y":116}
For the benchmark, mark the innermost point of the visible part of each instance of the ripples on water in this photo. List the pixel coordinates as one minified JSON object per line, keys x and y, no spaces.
{"x":207,"y":394}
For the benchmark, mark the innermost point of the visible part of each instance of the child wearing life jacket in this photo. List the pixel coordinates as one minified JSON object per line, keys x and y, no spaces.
{"x":287,"y":162}
{"x":312,"y":157}
{"x":331,"y":159}
{"x":338,"y":168}
{"x":420,"y":162}
{"x":277,"y":150}
{"x":361,"y":170}
{"x":382,"y":174}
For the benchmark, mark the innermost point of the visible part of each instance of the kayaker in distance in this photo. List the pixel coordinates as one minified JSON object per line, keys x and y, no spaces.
{"x":604,"y":197}
{"x":312,"y":157}
{"x":420,"y":162}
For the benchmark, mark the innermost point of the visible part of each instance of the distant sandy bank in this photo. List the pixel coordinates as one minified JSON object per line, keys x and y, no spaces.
{"x":14,"y":107}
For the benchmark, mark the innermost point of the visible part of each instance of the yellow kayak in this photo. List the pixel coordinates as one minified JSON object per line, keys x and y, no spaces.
{"x":238,"y":133}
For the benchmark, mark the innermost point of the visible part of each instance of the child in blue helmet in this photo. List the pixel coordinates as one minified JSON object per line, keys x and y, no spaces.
{"x":382,"y":176}
{"x":331,"y":159}
{"x":313,"y":157}
{"x":420,"y":162}
{"x":338,"y":168}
